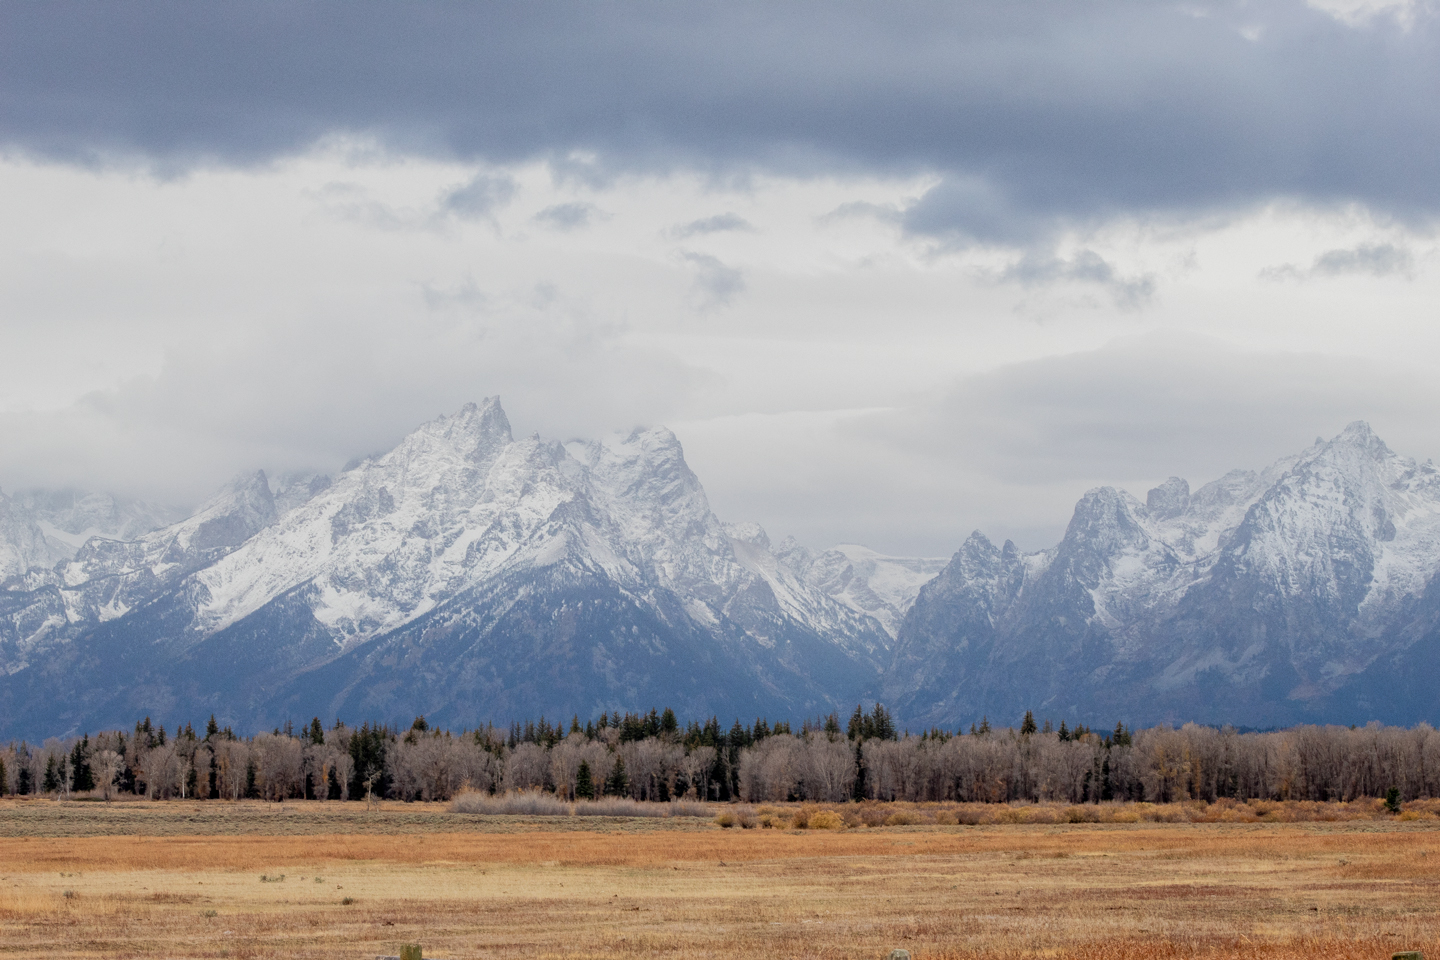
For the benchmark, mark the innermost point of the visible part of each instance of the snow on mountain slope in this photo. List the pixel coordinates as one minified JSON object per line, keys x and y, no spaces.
{"x":1270,"y":589}
{"x":23,"y":544}
{"x":107,"y":578}
{"x":870,"y":583}
{"x":460,"y":502}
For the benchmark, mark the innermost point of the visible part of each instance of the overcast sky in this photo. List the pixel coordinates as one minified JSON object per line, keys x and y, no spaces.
{"x":892,"y":272}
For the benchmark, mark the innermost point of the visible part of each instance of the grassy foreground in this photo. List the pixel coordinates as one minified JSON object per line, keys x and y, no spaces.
{"x":271,"y":880}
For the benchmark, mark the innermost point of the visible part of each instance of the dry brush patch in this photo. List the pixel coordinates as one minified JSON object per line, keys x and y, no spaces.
{"x":620,"y":889}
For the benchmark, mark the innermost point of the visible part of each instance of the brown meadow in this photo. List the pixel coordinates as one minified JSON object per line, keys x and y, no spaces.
{"x":171,"y":880}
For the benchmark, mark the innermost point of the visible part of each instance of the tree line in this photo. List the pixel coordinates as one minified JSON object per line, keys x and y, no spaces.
{"x":651,"y":756}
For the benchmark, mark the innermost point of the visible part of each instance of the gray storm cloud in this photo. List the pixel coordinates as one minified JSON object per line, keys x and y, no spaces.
{"x":1035,"y":114}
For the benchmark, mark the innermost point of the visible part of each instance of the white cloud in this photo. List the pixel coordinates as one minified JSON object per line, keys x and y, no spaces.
{"x":830,"y":374}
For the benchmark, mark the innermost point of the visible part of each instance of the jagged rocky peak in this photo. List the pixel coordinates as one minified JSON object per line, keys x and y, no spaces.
{"x":1168,"y":500}
{"x":236,"y":514}
{"x":477,"y":432}
{"x":648,"y":463}
{"x":1106,"y":520}
{"x":749,"y":532}
{"x":1359,"y":434}
{"x":293,"y":489}
{"x":977,"y":556}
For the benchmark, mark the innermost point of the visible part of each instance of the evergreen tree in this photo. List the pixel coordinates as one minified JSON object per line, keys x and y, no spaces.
{"x":1064,"y":733}
{"x":317,"y":732}
{"x":4,"y":781}
{"x":252,"y":789}
{"x":857,"y":792}
{"x":23,"y":785}
{"x":668,"y":724}
{"x":832,"y":727}
{"x":575,"y":724}
{"x":882,"y":726}
{"x":856,"y":728}
{"x":617,"y":784}
{"x":984,"y":726}
{"x":83,"y":777}
{"x":1027,"y":726}
{"x":51,"y":783}
{"x":584,"y":784}
{"x":212,"y":729}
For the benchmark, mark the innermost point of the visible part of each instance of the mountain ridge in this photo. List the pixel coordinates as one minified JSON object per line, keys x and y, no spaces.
{"x":472,"y":576}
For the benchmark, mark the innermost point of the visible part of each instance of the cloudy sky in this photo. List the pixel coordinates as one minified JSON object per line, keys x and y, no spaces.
{"x":891,"y":271}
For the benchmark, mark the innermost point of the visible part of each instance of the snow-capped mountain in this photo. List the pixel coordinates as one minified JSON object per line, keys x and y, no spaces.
{"x":41,"y":527}
{"x":473,"y":576}
{"x":464,"y":574}
{"x":1259,"y":599}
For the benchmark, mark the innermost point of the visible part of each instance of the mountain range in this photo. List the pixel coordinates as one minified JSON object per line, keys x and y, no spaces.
{"x":471,"y":576}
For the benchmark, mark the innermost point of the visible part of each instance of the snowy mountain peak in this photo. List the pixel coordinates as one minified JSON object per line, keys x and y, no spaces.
{"x":1168,"y":500}
{"x":478,"y":431}
{"x":1248,"y":600}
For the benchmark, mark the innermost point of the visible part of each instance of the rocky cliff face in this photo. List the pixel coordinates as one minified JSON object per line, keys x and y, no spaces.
{"x":1259,"y":599}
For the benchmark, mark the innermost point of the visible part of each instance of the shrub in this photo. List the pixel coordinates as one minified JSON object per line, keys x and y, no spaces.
{"x":946,"y":818}
{"x":874,"y":816}
{"x":903,"y":818}
{"x":726,"y":819}
{"x":525,"y":803}
{"x":827,"y":820}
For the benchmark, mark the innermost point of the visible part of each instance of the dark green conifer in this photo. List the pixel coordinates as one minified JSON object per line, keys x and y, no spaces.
{"x":584,"y":782}
{"x":1027,"y":726}
{"x":82,"y":778}
{"x":618,"y":783}
{"x":855,"y":730}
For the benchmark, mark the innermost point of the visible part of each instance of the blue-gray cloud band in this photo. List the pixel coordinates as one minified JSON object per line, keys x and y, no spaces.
{"x":1035,"y":113}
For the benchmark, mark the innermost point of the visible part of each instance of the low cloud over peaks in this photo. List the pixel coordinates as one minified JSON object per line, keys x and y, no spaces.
{"x":1366,"y":259}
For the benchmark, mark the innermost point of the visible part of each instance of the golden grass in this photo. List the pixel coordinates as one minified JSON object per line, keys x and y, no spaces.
{"x":1147,"y":891}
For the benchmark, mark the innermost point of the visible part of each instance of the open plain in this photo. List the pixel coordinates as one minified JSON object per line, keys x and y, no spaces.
{"x":332,"y":880}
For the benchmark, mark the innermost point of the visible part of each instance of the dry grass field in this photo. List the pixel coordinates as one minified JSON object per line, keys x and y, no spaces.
{"x":331,"y":880}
